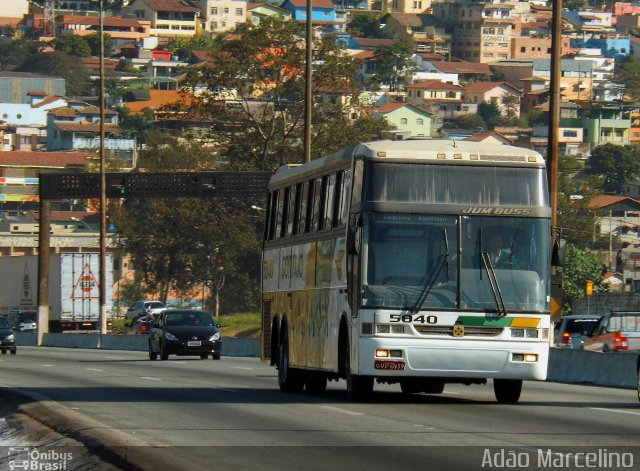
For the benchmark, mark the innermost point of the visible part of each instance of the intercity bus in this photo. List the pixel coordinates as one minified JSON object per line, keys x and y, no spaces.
{"x":376,"y":268}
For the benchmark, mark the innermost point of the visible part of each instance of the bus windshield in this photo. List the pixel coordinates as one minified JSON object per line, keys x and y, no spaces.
{"x":402,"y":253}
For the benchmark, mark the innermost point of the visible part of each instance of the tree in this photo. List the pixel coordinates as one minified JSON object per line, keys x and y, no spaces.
{"x":72,"y":45}
{"x":62,"y":65}
{"x":364,"y":26}
{"x":394,"y":65}
{"x":490,"y":113}
{"x":615,"y":164}
{"x":470,"y":121}
{"x":262,"y":71}
{"x":15,"y":52}
{"x":93,"y":41}
{"x":628,"y":74}
{"x":512,"y":105}
{"x":183,"y":48}
{"x":578,"y":267}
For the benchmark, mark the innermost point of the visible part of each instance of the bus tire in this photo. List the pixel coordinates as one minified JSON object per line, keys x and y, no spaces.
{"x":433,"y":387}
{"x":359,"y":388}
{"x":289,"y":379}
{"x":507,"y":391}
{"x":315,"y":382}
{"x":409,"y":386}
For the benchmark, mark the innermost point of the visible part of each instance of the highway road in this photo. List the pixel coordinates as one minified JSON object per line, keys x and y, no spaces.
{"x":230,"y":414}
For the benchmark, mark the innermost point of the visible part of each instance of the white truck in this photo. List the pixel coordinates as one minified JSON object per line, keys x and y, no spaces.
{"x":74,"y":293}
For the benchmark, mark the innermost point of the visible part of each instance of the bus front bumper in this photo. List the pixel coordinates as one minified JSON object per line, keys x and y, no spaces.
{"x":396,"y":357}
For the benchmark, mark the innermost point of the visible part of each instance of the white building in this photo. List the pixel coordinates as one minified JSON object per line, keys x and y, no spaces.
{"x":222,"y":15}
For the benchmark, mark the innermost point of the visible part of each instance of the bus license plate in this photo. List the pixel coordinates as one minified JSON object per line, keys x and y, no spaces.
{"x":193,"y":343}
{"x":388,"y":365}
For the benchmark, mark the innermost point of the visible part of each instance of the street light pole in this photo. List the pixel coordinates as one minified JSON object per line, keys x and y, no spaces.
{"x":103,"y":185}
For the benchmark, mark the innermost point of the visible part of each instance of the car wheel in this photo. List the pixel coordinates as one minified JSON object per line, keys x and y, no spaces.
{"x":152,"y":355}
{"x":215,"y":356}
{"x":289,"y":379}
{"x":507,"y":391}
{"x":163,"y":355}
{"x":14,"y":351}
{"x":203,"y":356}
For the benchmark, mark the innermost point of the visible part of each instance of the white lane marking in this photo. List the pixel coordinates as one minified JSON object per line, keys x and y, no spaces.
{"x":176,"y":362}
{"x":49,"y":366}
{"x":615,"y":410}
{"x":342,"y":411}
{"x":242,"y":368}
{"x":94,"y":369}
{"x":151,"y":378}
{"x":451,"y":392}
{"x":114,"y":358}
{"x":424,"y":427}
{"x":56,"y":353}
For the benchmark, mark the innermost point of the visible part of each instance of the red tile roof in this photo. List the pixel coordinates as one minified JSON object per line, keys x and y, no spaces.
{"x":388,"y":107}
{"x":482,"y":135}
{"x":366,"y":54}
{"x":434,"y":85}
{"x":64,"y":112}
{"x":602,"y":201}
{"x":483,"y":87}
{"x":95,"y":20}
{"x":37,"y":93}
{"x":43,"y":159}
{"x":82,"y":127}
{"x":171,"y":5}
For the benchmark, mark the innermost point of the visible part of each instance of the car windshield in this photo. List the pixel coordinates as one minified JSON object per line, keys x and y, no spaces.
{"x":156,"y":305}
{"x":188,"y":318}
{"x":3,"y":323}
{"x":580,"y":326}
{"x":406,"y":252}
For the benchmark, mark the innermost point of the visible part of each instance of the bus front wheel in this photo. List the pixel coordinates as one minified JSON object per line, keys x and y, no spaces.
{"x":507,"y":391}
{"x":289,"y":379}
{"x":359,"y":388}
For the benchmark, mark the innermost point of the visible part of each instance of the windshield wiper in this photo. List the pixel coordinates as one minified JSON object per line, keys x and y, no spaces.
{"x":493,"y":283}
{"x":433,"y":275}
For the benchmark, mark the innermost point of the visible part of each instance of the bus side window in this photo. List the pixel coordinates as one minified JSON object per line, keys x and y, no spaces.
{"x":289,"y":209}
{"x":340,"y":217}
{"x":315,"y":205}
{"x":328,"y":200}
{"x":273,"y":204}
{"x":279,"y":214}
{"x":302,"y":207}
{"x":294,"y":205}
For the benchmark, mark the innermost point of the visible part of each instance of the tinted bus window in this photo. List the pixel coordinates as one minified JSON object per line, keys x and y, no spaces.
{"x":328,"y":198}
{"x":273,"y":203}
{"x":315,"y":205}
{"x":279,"y":214}
{"x":342,"y":195}
{"x":302,"y":207}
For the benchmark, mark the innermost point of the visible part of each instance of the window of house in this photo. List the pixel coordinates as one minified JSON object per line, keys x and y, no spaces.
{"x":214,"y":25}
{"x":523,"y":49}
{"x":420,"y":122}
{"x":569,"y":133}
{"x":239,"y":12}
{"x":214,"y":10}
{"x":403,"y":121}
{"x":226,"y":10}
{"x":19,"y":116}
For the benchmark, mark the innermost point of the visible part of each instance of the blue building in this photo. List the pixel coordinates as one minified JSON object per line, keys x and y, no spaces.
{"x":613,"y":47}
{"x":323,"y":12}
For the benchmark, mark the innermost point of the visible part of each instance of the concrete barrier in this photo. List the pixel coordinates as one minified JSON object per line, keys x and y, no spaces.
{"x":123,"y":342}
{"x":582,"y":366}
{"x":71,"y":340}
{"x":231,"y":346}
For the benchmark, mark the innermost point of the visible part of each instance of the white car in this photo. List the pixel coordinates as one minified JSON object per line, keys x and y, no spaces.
{"x":27,"y":326}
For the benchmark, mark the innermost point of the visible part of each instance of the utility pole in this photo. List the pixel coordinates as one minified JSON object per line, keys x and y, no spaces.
{"x":103,"y":185}
{"x":307,"y":88}
{"x":552,"y":148}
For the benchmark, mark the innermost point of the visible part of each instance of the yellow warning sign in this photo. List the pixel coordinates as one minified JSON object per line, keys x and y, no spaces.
{"x":86,"y":286}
